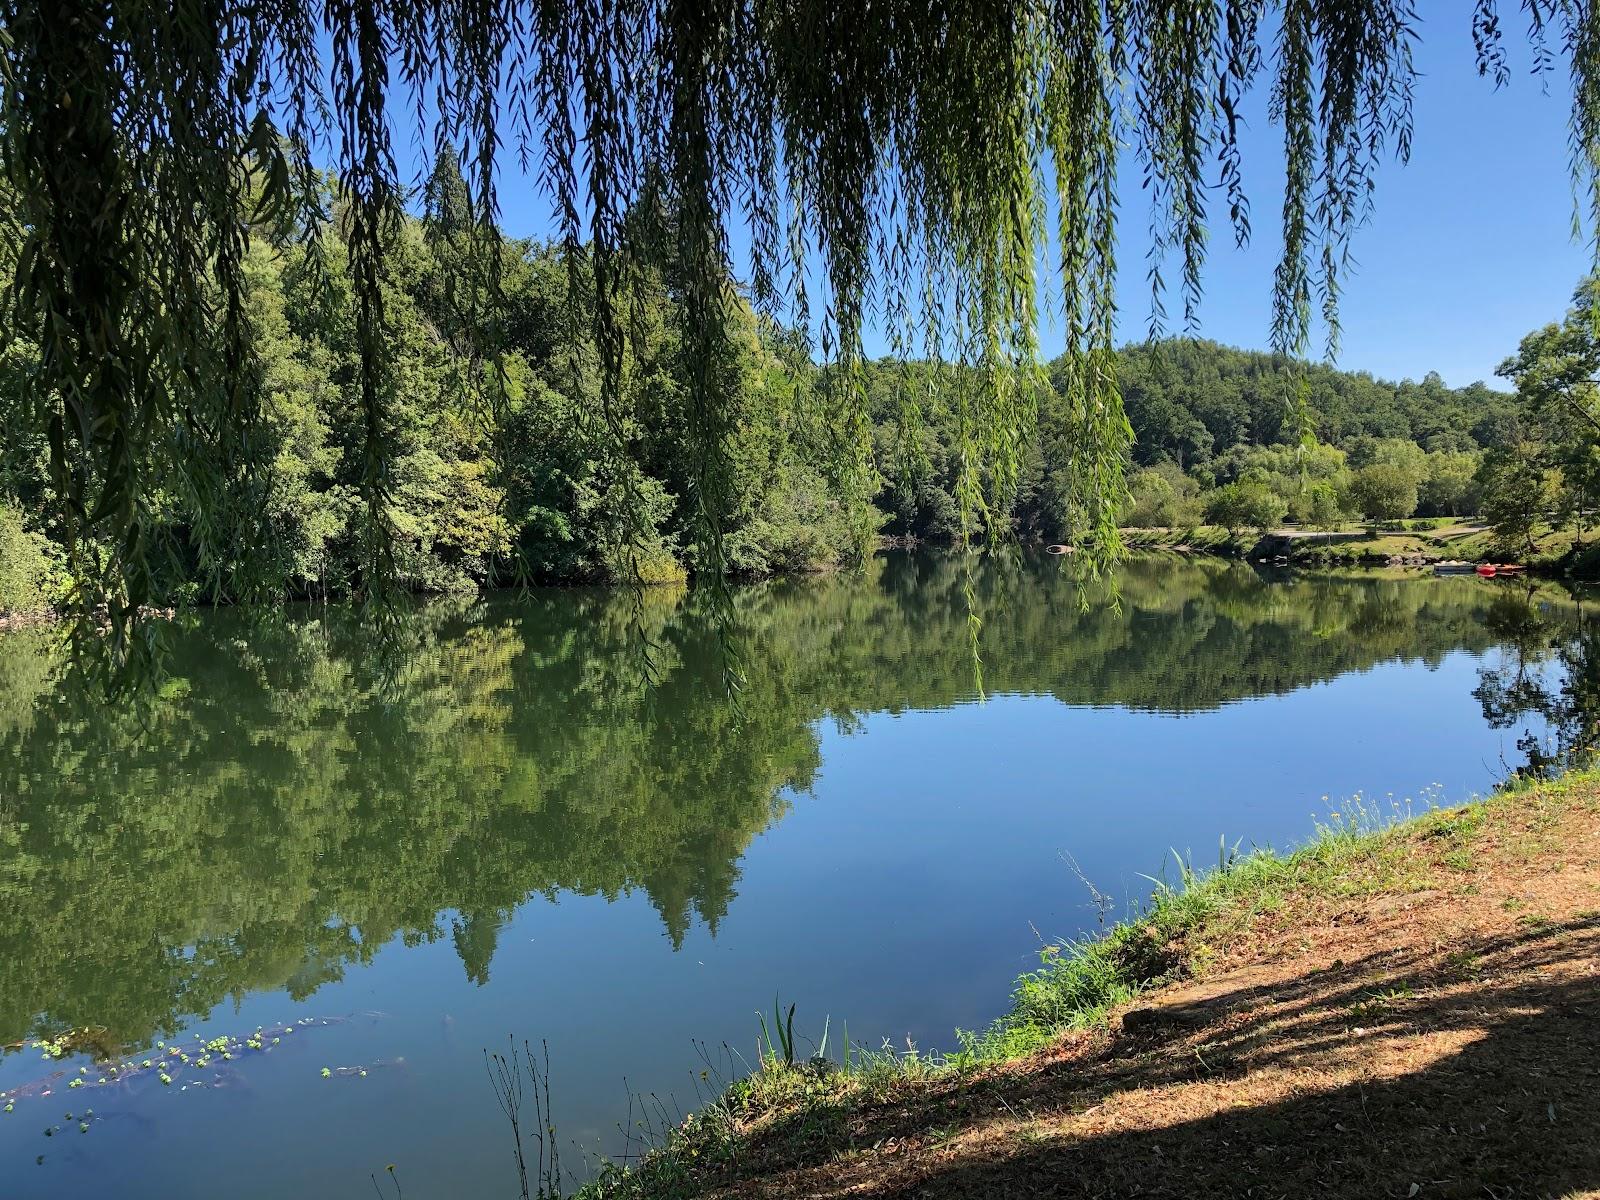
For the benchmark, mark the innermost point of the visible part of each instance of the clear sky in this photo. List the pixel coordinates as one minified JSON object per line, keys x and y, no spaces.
{"x":1470,"y":246}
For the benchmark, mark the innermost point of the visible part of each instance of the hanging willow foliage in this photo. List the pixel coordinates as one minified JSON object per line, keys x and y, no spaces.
{"x":931,"y":158}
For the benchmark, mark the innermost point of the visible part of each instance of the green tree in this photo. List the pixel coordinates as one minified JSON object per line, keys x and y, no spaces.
{"x":1556,"y":371}
{"x":1162,"y":497}
{"x":1384,"y":491}
{"x":1246,"y":504}
{"x":1517,"y":491}
{"x":1322,"y":505}
{"x":137,"y":183}
{"x":1447,"y":490}
{"x":1401,"y":453}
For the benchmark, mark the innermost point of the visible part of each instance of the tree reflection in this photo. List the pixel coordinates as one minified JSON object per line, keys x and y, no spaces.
{"x":1549,"y":671}
{"x":288,"y":806}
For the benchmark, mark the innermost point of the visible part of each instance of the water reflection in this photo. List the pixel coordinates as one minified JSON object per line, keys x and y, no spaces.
{"x":1548,"y":675}
{"x":285,"y":809}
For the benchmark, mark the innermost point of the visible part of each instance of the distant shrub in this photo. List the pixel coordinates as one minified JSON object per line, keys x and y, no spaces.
{"x":1384,"y":492}
{"x":1162,"y":497}
{"x":1246,"y":504}
{"x":26,"y":571}
{"x":801,"y":525}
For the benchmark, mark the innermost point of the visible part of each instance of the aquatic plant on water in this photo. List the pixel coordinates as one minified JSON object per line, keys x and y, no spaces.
{"x":185,"y":1065}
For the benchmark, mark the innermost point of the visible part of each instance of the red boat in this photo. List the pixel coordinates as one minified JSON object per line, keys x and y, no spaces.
{"x":1487,"y":570}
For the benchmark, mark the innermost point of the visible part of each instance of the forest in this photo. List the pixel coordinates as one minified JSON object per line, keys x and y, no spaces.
{"x":506,"y":465}
{"x":1242,"y":439}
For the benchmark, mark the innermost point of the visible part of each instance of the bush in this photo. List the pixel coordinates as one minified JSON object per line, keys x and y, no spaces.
{"x":801,"y":525}
{"x":27,"y":575}
{"x":1384,"y":492}
{"x":1162,"y":497}
{"x":1247,"y":504}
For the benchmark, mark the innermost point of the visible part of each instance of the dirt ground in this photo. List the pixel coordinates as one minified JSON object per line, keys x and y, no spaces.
{"x":1441,"y":1042}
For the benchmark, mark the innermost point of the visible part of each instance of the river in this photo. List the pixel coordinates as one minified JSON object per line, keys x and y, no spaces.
{"x":545,"y":817}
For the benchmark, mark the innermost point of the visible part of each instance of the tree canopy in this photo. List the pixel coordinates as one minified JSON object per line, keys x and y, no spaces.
{"x":926,"y":155}
{"x":1548,"y":469}
{"x":531,"y":487}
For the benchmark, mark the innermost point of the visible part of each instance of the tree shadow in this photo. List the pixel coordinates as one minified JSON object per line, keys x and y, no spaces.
{"x":1489,"y":1087}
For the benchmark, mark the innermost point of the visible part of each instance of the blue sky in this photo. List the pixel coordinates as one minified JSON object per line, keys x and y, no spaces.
{"x":1470,"y":246}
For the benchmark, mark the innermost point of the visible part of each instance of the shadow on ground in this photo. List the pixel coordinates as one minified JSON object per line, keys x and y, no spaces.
{"x":1470,"y":1069}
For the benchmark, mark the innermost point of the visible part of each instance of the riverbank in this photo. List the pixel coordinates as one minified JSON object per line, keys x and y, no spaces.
{"x":1400,"y":1011}
{"x":1421,"y":543}
{"x":1430,"y":542}
{"x":10,"y":621}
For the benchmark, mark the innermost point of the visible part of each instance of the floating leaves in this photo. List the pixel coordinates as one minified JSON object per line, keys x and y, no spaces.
{"x":358,"y":1072}
{"x":175,"y":1064}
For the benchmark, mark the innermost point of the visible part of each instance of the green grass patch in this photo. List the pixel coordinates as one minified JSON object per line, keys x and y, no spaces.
{"x":1379,"y":1003}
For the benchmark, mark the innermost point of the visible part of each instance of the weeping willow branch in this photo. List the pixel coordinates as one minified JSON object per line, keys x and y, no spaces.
{"x":941,"y":166}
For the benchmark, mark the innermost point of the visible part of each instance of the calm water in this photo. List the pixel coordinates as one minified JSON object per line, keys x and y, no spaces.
{"x":507,"y":833}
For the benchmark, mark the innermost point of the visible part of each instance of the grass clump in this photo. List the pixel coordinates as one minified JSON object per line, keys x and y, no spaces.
{"x":1379,"y":1002}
